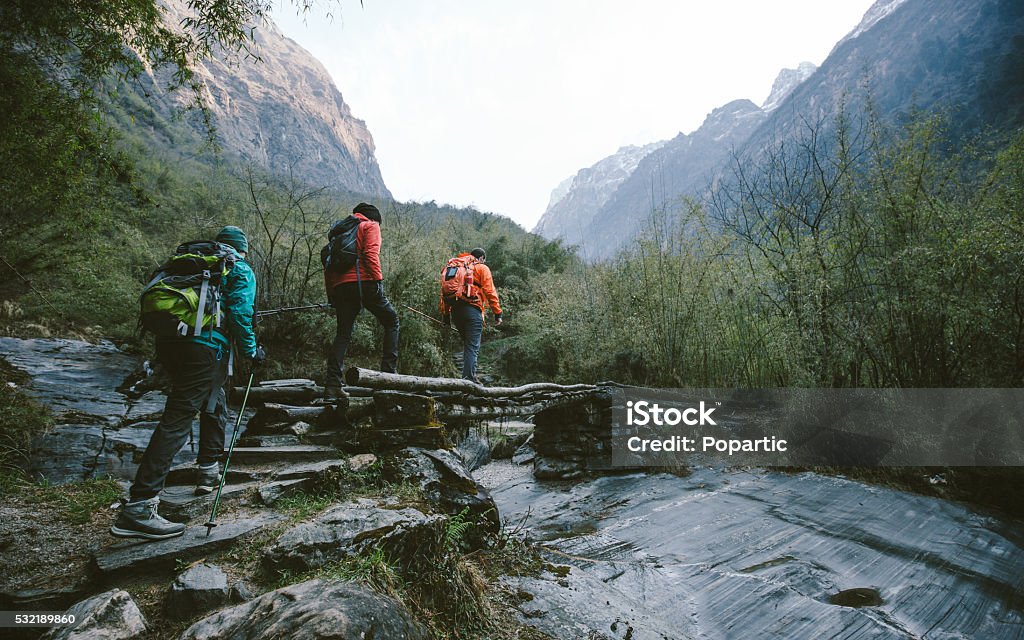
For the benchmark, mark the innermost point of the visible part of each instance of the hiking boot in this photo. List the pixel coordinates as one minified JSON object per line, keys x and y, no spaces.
{"x":209,"y":478}
{"x":140,"y":520}
{"x":334,"y":393}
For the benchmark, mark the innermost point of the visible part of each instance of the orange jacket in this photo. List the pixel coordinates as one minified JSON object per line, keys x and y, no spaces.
{"x":368,"y":248}
{"x":483,"y":290}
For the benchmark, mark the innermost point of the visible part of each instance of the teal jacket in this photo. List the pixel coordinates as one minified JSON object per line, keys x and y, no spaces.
{"x":238,"y":306}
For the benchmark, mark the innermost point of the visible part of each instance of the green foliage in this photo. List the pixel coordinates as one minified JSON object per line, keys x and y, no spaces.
{"x":22,"y":419}
{"x":873,"y":256}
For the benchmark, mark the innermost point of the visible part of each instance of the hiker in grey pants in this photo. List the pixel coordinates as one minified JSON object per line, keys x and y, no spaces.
{"x":198,"y":367}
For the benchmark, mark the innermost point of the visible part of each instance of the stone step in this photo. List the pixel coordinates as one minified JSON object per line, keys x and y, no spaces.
{"x":135,"y":556}
{"x":281,"y":440}
{"x":294,"y":453}
{"x":180,"y":504}
{"x":185,"y":474}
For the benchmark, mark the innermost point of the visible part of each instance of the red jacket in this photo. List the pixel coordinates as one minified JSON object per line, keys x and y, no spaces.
{"x":368,"y":262}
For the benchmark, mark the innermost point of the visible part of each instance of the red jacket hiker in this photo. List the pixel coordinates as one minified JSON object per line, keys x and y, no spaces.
{"x":368,"y":263}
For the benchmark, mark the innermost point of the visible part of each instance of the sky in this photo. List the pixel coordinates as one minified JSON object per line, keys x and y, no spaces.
{"x":491,"y":103}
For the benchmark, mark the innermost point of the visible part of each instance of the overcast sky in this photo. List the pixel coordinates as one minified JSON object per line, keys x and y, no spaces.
{"x":492,"y":104}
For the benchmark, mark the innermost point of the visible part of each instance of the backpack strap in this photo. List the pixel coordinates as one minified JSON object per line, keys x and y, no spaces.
{"x":203,"y":291}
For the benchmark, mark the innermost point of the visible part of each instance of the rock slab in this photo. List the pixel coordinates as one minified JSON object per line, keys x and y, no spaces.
{"x":108,"y":616}
{"x":197,"y":590}
{"x":312,"y":610}
{"x":351,"y":528}
{"x":142,"y":555}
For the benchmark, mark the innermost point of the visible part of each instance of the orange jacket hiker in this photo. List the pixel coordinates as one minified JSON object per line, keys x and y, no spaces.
{"x":483,"y":295}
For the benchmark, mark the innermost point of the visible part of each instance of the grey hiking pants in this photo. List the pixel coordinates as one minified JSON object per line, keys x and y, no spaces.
{"x":198,"y":374}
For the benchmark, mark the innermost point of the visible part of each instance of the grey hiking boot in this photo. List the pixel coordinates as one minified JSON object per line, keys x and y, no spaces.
{"x":140,"y":520}
{"x":209,"y":479}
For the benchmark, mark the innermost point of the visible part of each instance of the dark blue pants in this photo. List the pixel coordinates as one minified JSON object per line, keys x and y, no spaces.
{"x":197,"y":373}
{"x":470,"y":323}
{"x":347,"y":303}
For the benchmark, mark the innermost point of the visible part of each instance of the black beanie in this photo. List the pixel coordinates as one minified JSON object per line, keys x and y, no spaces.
{"x":368,"y":210}
{"x":478,"y":253}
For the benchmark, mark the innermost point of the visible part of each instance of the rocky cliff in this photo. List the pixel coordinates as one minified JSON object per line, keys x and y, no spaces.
{"x":603,"y":207}
{"x":574,"y":201}
{"x":906,"y":56}
{"x":282,"y":113}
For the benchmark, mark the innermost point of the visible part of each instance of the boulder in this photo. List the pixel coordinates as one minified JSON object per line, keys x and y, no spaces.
{"x":197,"y":590}
{"x":111,"y":616}
{"x":525,"y":453}
{"x":474,"y":450}
{"x":310,"y":611}
{"x":448,"y":485}
{"x":350,"y":529}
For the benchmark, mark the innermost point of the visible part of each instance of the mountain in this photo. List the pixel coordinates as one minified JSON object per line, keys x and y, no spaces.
{"x":905,"y":57}
{"x":282,"y":113}
{"x":574,"y":200}
{"x":603,"y":207}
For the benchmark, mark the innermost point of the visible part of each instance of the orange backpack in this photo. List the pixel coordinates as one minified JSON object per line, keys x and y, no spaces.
{"x":457,"y":280}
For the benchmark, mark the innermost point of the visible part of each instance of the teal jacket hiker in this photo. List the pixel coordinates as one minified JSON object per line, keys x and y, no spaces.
{"x":238,"y":302}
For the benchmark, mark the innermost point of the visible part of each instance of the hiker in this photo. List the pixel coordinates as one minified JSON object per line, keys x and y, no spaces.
{"x":467,"y":288}
{"x":357,"y":285}
{"x":198,"y":368}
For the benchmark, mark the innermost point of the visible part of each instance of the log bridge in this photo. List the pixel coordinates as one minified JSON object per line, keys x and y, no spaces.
{"x":571,"y":434}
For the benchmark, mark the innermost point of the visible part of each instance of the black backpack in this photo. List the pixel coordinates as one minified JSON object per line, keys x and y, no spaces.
{"x":341,"y":251}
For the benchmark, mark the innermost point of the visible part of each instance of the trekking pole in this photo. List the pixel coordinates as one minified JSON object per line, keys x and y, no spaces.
{"x":308,"y":307}
{"x":224,"y":474}
{"x":431,"y":318}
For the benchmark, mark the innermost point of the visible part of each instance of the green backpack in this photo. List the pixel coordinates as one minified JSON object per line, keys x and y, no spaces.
{"x":183,"y":294}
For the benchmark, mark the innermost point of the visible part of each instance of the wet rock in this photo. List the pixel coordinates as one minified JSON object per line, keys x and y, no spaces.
{"x":525,"y":453}
{"x":240,"y":592}
{"x":574,"y":441}
{"x":294,"y":453}
{"x":361,"y":462}
{"x":311,"y":611}
{"x":274,"y":491}
{"x":352,"y":528}
{"x":135,"y":555}
{"x":197,"y":590}
{"x":149,"y":407}
{"x":111,"y":616}
{"x":513,"y":437}
{"x":751,"y":553}
{"x":856,"y":598}
{"x":448,"y":485}
{"x":277,"y":440}
{"x":73,"y":378}
{"x":181,"y":504}
{"x":474,"y":450}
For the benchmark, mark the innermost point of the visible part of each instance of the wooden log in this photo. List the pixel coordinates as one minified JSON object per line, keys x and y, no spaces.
{"x":280,"y":394}
{"x":398,"y":382}
{"x":399,"y":409}
{"x":465,"y":411}
{"x":272,"y":413}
